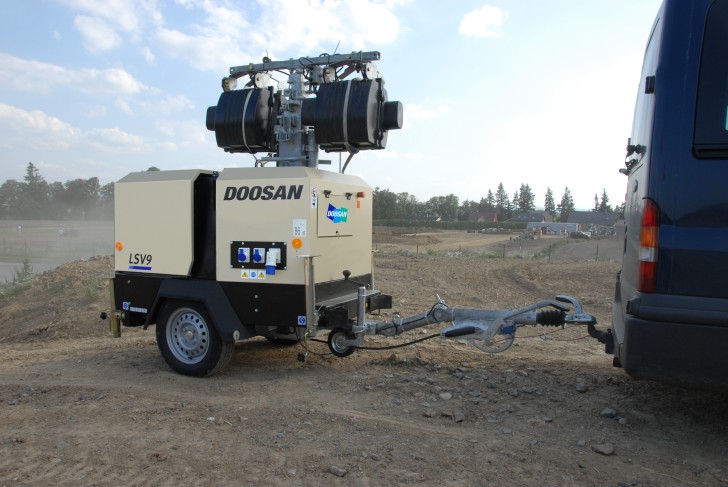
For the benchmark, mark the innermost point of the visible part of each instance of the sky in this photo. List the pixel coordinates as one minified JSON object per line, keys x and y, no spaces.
{"x":537,"y":92}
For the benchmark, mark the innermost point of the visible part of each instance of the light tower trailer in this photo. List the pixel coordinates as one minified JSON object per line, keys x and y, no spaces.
{"x":284,"y":251}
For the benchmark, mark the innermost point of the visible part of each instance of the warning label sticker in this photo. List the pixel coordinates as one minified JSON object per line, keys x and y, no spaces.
{"x":299,"y":227}
{"x":252,"y":274}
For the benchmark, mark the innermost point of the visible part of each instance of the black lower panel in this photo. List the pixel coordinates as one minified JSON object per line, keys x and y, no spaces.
{"x":267,"y":304}
{"x":134,"y":294}
{"x":256,"y":305}
{"x":285,"y":304}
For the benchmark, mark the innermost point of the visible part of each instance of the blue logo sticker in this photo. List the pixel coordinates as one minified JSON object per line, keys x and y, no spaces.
{"x":337,"y":215}
{"x":125,"y":305}
{"x":302,"y":321}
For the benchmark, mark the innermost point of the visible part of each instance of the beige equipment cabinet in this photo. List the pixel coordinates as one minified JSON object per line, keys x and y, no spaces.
{"x":292,"y":212}
{"x":154,"y":222}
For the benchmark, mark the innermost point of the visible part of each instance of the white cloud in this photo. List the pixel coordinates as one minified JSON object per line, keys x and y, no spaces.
{"x":225,"y":21}
{"x":123,"y":105}
{"x":96,"y":111}
{"x":148,"y":55}
{"x":485,"y":21}
{"x":289,"y":27}
{"x":115,"y":139}
{"x":415,"y":112}
{"x":188,"y":132}
{"x":322,"y":24}
{"x":97,"y":34}
{"x":44,"y":166}
{"x":157,"y":105}
{"x":167,"y":146}
{"x":374,"y":22}
{"x":110,"y":81}
{"x":171,"y":104}
{"x":24,"y":75}
{"x":124,"y":14}
{"x":21,"y":128}
{"x":204,"y":52}
{"x":227,"y":35}
{"x":37,"y":130}
{"x":127,"y":15}
{"x":103,"y":25}
{"x":214,"y":43}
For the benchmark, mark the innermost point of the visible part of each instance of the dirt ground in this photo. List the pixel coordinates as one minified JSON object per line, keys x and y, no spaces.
{"x":78,"y":407}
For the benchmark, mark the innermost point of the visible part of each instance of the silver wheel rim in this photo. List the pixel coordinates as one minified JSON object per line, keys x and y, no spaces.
{"x":336,"y":342}
{"x":188,"y":336}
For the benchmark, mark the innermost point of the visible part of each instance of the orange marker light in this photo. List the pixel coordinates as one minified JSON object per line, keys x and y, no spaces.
{"x":119,"y":246}
{"x":297,"y":243}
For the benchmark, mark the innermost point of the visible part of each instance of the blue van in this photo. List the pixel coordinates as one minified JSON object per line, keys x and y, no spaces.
{"x":670,"y":315}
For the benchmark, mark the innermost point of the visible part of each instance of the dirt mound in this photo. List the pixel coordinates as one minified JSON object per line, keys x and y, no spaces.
{"x":63,"y":303}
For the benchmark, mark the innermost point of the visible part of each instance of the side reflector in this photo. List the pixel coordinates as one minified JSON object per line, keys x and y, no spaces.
{"x":649,"y":240}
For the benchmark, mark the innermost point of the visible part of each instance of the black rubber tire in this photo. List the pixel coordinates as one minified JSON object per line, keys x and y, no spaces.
{"x":189,"y":341}
{"x":338,"y":334}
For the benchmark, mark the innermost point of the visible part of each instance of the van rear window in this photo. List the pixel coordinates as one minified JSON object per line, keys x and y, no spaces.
{"x":711,"y":118}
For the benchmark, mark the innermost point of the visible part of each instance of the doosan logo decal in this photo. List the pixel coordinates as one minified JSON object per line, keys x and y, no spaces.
{"x":337,"y":215}
{"x":263,"y":193}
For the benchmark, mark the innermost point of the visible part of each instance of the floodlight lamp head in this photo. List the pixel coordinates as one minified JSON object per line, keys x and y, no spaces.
{"x":319,"y":109}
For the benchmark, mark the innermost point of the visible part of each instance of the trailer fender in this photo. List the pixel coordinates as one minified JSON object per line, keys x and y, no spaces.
{"x":209,"y":293}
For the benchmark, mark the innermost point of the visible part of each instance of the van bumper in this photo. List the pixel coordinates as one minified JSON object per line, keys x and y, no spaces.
{"x":689,"y":354}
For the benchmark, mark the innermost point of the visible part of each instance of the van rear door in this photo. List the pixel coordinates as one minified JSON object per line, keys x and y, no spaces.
{"x":696,"y":237}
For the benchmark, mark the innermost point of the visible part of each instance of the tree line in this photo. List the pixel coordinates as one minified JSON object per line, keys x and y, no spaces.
{"x":499,"y":205}
{"x":34,"y":198}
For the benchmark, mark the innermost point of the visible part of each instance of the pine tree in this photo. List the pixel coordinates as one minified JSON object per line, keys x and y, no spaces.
{"x":35,"y":200}
{"x":501,"y":200}
{"x":566,"y":206}
{"x":488,"y":203}
{"x":549,"y":205}
{"x":526,"y":198}
{"x":604,"y":206}
{"x":514,"y":204}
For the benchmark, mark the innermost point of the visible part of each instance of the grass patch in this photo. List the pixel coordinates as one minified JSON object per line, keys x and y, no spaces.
{"x":545,"y":253}
{"x":91,"y":290}
{"x":22,"y":279}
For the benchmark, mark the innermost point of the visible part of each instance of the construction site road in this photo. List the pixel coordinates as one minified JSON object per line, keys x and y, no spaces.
{"x":78,"y":407}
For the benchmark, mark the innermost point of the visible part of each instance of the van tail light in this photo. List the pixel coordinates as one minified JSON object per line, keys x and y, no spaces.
{"x":649,"y":239}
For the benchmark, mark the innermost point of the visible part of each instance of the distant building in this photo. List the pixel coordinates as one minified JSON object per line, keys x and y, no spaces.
{"x":531,"y":217}
{"x":551,"y":228}
{"x":596,"y":222}
{"x":483,"y":216}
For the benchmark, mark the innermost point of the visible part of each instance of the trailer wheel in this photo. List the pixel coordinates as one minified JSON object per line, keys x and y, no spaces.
{"x":336,"y":337}
{"x":188,"y":342}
